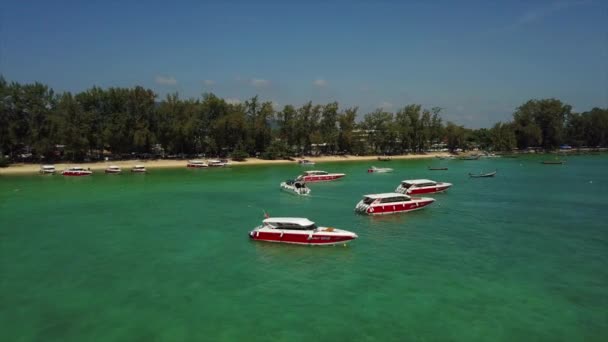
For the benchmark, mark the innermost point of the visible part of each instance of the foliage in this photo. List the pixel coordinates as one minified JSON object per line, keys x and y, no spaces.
{"x":239,"y":155}
{"x":37,"y":122}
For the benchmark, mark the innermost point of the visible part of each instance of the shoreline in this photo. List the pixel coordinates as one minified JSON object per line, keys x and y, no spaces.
{"x":16,"y":169}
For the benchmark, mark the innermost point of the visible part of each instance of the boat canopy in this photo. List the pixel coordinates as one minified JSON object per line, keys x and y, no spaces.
{"x":316,"y":172}
{"x":418,"y":182}
{"x":48,"y":167}
{"x":274,"y":221}
{"x":139,"y":167}
{"x":386,"y":195}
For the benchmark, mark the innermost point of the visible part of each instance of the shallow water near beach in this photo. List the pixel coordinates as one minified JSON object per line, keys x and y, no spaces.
{"x":166,"y":256}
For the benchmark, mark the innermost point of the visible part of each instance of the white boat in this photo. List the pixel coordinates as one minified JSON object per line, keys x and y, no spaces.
{"x":139,"y":169}
{"x":197,"y":164}
{"x":374,"y":169}
{"x":47,"y":169}
{"x":299,"y":231}
{"x":218,"y":163}
{"x":113,"y":169}
{"x":306,"y":162}
{"x":295,"y":187}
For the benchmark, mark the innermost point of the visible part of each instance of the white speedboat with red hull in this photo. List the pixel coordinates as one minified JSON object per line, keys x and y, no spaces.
{"x":76,"y":171}
{"x":421,"y":186}
{"x":391,"y":203}
{"x":196,"y":164}
{"x":299,"y":231}
{"x":319,"y":176}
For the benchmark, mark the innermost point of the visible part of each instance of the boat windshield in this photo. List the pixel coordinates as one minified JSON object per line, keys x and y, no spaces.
{"x":394,"y":199}
{"x":291,"y":226}
{"x":368,"y":200}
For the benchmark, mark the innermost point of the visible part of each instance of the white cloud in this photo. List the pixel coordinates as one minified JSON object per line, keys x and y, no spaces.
{"x":209,"y":82}
{"x":539,"y":13}
{"x":319,"y":82}
{"x":166,"y":80}
{"x":258,"y":82}
{"x":232,"y":100}
{"x":386,"y":105}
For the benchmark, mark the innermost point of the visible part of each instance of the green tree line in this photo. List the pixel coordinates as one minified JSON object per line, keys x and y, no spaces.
{"x":35,"y":121}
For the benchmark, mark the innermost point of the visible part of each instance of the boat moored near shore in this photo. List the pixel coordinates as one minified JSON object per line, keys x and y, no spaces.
{"x":113,"y":169}
{"x":139,"y":169}
{"x":76,"y":171}
{"x":390,"y":203}
{"x":47,"y":169}
{"x":218,"y":163}
{"x":319,"y":176}
{"x":196,"y":164}
{"x":299,"y":231}
{"x":421,"y":186}
{"x":306,"y":162}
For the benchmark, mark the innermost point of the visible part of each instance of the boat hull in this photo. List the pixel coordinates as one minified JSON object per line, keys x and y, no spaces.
{"x":196,"y":166}
{"x":76,"y":174}
{"x":323,"y":178}
{"x":386,"y":209}
{"x":294,"y":191}
{"x":113,"y":172}
{"x":314,"y":239}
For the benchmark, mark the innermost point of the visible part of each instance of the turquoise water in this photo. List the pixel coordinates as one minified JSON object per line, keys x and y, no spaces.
{"x":166,"y":257}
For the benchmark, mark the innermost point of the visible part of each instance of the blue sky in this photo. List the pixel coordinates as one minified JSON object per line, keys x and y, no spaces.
{"x":476,"y":59}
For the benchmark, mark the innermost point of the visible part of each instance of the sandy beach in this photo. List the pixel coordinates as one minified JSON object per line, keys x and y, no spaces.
{"x":166,"y":163}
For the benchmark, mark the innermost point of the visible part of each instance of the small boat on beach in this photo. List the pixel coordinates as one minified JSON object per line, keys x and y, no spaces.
{"x":218,"y":163}
{"x":390,"y":203}
{"x":385,"y":158}
{"x":374,"y":169}
{"x":319,"y":176}
{"x":139,"y":169}
{"x":113,"y":169}
{"x":482,"y":175}
{"x":421,"y":186}
{"x":552,"y":162}
{"x":299,"y":231}
{"x":295,"y":187}
{"x":196,"y":164}
{"x":306,"y":162}
{"x":47,"y":169}
{"x":76,"y":171}
{"x":437,"y":168}
{"x":474,"y":157}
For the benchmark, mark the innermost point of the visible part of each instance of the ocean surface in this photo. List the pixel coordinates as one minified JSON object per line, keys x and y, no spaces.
{"x":166,"y":256}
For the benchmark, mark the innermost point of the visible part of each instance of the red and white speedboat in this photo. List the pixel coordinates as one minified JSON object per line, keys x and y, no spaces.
{"x":319,"y":176}
{"x":421,"y":186}
{"x":299,"y":231}
{"x":76,"y":171}
{"x":197,"y":164}
{"x":113,"y":169}
{"x":391,"y":203}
